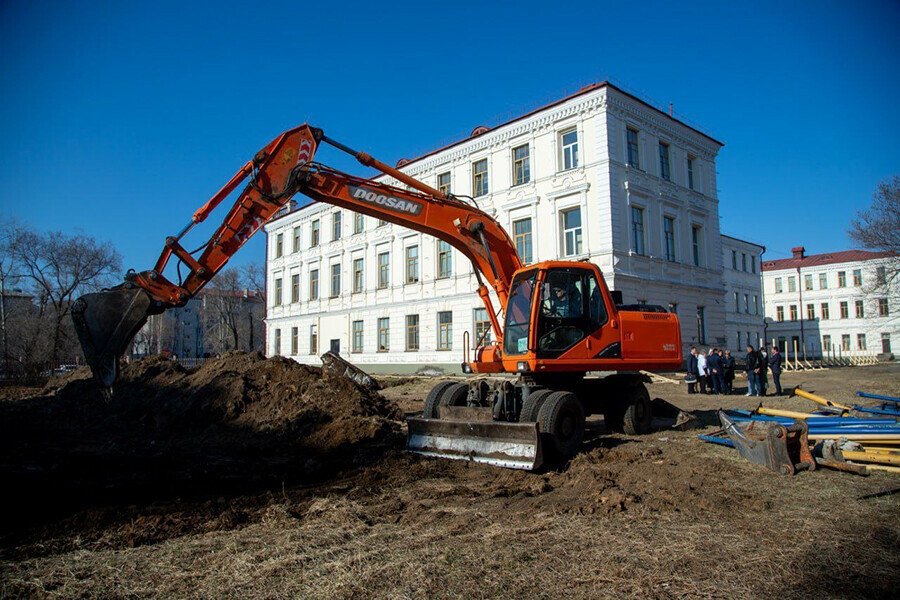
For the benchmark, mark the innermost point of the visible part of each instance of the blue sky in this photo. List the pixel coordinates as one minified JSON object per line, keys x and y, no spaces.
{"x":119,"y":119}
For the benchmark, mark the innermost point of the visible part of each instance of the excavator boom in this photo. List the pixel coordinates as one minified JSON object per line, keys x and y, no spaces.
{"x":107,"y":321}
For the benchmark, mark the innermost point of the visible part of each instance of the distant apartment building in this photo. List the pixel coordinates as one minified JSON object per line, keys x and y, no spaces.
{"x":599,"y":175}
{"x":744,"y":311}
{"x":212,"y":322}
{"x":837,"y":303}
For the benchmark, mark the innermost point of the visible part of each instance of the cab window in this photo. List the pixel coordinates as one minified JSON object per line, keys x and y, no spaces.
{"x":571,"y":308}
{"x":518,"y":314}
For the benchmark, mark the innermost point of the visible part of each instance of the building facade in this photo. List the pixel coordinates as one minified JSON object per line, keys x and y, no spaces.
{"x":744,"y":311}
{"x":834,"y":304}
{"x":599,"y":175}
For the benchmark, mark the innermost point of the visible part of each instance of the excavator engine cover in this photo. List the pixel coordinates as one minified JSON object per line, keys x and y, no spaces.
{"x":464,"y":433}
{"x":105,"y":323}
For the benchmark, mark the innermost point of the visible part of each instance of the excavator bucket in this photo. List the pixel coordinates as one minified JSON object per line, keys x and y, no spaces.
{"x":105,"y":323}
{"x":461,"y":435}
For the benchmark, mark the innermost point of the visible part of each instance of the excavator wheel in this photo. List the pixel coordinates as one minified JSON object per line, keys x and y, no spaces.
{"x":561,"y":423}
{"x":454,"y":395}
{"x":636,"y":420}
{"x":433,"y":398}
{"x":532,"y":405}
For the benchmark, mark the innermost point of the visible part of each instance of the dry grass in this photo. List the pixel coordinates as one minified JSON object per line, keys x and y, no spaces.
{"x":412,"y":527}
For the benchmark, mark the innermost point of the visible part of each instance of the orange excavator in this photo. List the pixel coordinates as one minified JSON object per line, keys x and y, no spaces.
{"x":531,"y":389}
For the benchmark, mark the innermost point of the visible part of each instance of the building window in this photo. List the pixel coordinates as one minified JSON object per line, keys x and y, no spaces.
{"x":778,"y":288}
{"x":737,"y":302}
{"x":314,"y":234}
{"x":384,"y":334}
{"x":276,"y":350}
{"x":445,"y":260}
{"x":336,"y":225}
{"x":696,"y":243}
{"x":412,"y":264}
{"x":443,"y":182}
{"x":845,"y":341}
{"x":857,"y":277}
{"x":842,"y":279}
{"x":357,"y":275}
{"x":482,"y":327}
{"x":669,"y":234}
{"x":314,"y":284}
{"x":811,"y":312}
{"x":357,"y":344}
{"x":779,"y":314}
{"x":743,"y":262}
{"x":755,"y":304}
{"x":880,"y":275}
{"x":295,"y":341}
{"x":664,"y":162}
{"x":747,"y":304}
{"x":633,"y":158}
{"x":845,"y":311}
{"x":382,"y":222}
{"x":701,"y":325}
{"x":753,"y":264}
{"x":792,"y":284}
{"x":384,"y":270}
{"x":279,"y":245}
{"x":296,"y":246}
{"x":480,"y":177}
{"x":793,"y":312}
{"x":886,"y":343}
{"x":826,"y":343}
{"x":807,"y":282}
{"x":335,"y":280}
{"x":412,"y":333}
{"x":522,"y":238}
{"x":569,"y":147}
{"x":734,"y":259}
{"x":571,"y":225}
{"x":823,"y":281}
{"x":313,"y":339}
{"x":690,"y":169}
{"x":883,"y":307}
{"x":637,"y":230}
{"x":278,"y":297}
{"x":860,"y":310}
{"x":445,"y":330}
{"x":295,"y":288}
{"x":824,"y":310}
{"x":358,"y":223}
{"x":860,"y":341}
{"x":521,"y":165}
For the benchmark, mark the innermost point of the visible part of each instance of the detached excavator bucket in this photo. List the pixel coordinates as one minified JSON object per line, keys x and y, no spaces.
{"x":105,"y":323}
{"x":461,"y":434}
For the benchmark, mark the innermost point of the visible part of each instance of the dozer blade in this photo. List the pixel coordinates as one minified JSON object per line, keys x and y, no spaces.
{"x":105,"y":323}
{"x":510,"y":445}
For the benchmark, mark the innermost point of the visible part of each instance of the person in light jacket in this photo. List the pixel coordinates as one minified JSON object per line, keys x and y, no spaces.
{"x":702,"y":371}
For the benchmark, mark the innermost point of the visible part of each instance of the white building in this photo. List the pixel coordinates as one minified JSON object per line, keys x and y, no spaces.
{"x":599,"y":175}
{"x":837,"y":303}
{"x":744,"y":315}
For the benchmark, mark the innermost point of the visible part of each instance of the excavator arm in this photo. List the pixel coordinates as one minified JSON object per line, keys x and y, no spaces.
{"x":107,"y":321}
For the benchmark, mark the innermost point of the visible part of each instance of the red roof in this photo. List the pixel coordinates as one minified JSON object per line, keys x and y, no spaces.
{"x":815,"y":260}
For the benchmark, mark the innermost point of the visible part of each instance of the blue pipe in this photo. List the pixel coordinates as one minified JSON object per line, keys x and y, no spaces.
{"x":876,"y":397}
{"x":716,"y":440}
{"x":878,"y":411}
{"x":813,"y":422}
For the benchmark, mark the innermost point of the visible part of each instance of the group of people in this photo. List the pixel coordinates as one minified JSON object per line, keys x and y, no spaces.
{"x":714,"y":371}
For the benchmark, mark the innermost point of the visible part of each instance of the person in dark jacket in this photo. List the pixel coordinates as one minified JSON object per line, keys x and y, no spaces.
{"x":775,"y":362}
{"x":728,"y":365}
{"x":716,"y":373}
{"x":752,"y":371}
{"x":763,"y":377}
{"x":692,"y":371}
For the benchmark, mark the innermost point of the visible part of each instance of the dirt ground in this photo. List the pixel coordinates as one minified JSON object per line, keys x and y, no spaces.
{"x":242,"y":481}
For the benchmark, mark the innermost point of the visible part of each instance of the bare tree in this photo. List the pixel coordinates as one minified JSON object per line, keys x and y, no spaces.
{"x":60,"y":268}
{"x":9,"y":274}
{"x":878,"y":228}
